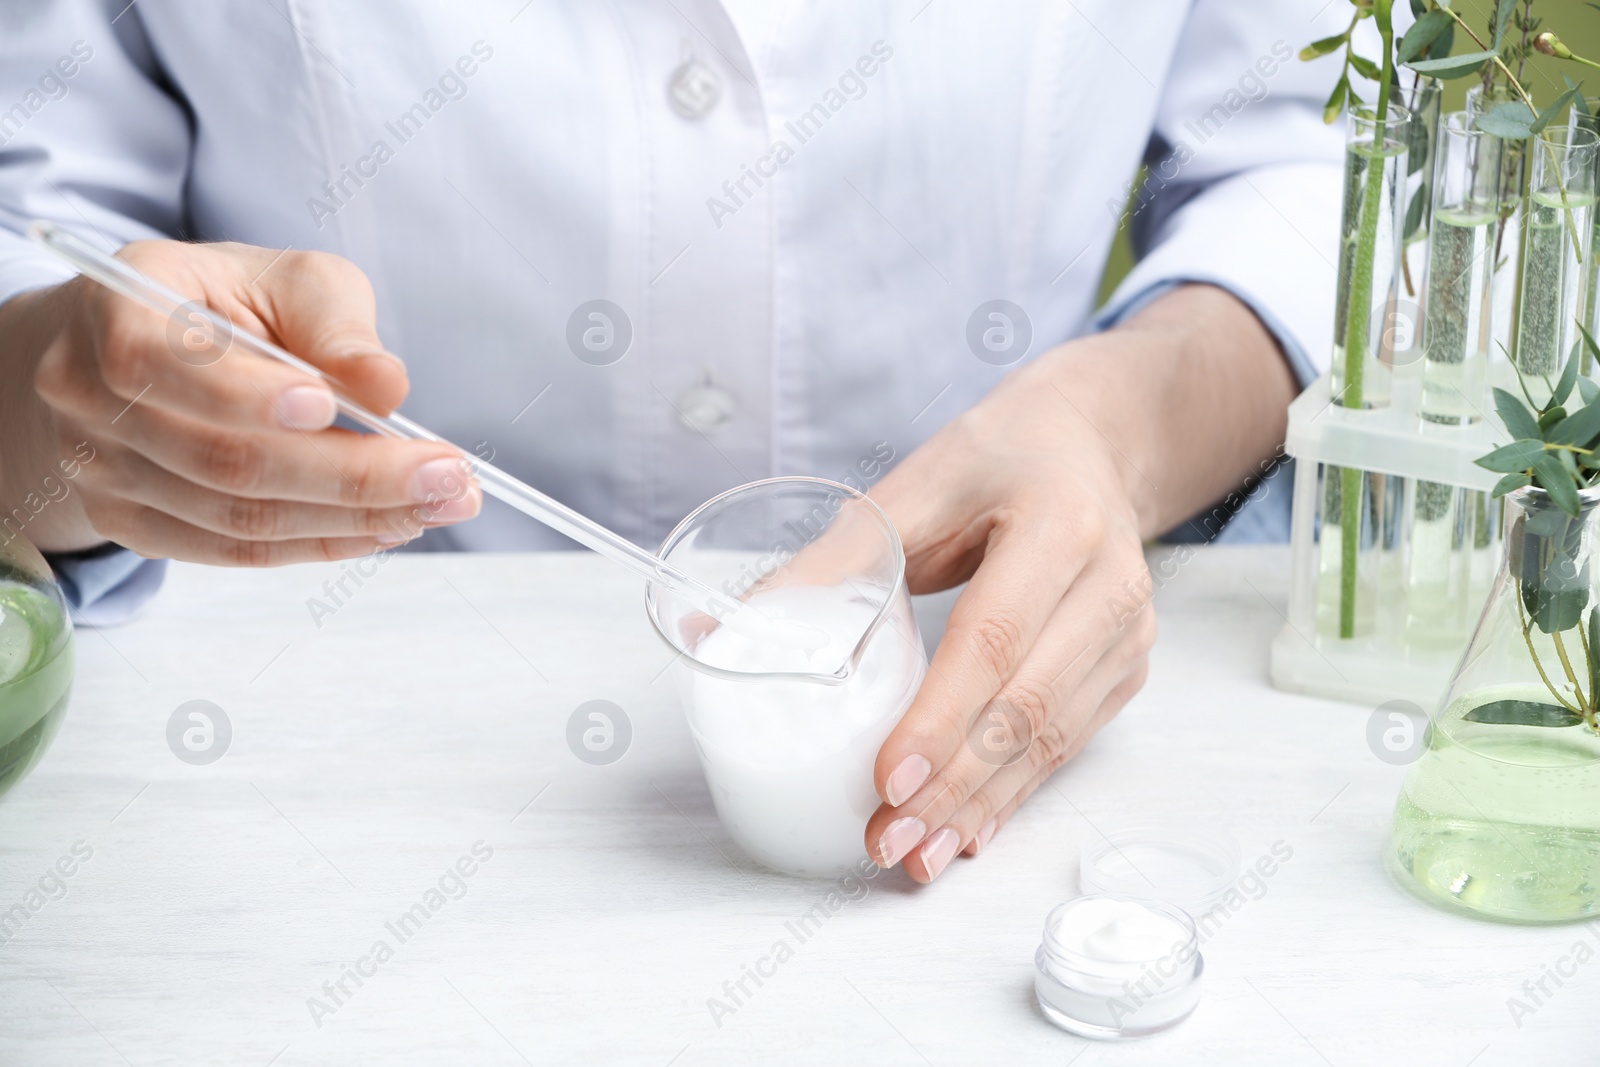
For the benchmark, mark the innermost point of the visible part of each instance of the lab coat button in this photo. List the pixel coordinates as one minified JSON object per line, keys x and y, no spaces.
{"x":693,"y":89}
{"x":706,"y":408}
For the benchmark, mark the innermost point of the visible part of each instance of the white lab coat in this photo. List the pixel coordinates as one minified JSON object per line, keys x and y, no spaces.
{"x":495,"y":166}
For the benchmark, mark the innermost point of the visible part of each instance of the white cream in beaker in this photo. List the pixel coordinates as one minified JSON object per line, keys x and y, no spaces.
{"x":789,"y":762}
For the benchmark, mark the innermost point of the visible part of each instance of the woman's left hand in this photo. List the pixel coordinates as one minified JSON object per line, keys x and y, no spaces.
{"x":1040,"y":498}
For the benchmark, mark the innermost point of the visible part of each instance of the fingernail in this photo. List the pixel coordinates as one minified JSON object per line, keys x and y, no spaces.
{"x":939,"y":850}
{"x":901,"y":837}
{"x":983,"y":836}
{"x":388,"y":540}
{"x":438,"y":481}
{"x":455,"y":509}
{"x":305,"y":407}
{"x":907,"y":779}
{"x":374,"y":353}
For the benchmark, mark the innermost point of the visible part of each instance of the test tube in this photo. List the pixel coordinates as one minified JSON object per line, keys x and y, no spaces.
{"x":1506,"y":249}
{"x":1561,"y":197}
{"x":1369,"y":250}
{"x":1588,"y":118}
{"x":1445,"y":519}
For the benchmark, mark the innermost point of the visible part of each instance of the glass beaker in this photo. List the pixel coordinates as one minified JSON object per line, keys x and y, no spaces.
{"x":1500,"y":815}
{"x":36,"y":658}
{"x":788,"y":735}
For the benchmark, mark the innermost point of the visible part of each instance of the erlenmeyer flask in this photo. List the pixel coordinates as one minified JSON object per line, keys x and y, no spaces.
{"x":1500,"y":816}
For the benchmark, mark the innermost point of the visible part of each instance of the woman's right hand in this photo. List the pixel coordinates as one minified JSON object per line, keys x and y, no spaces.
{"x":180,"y":448}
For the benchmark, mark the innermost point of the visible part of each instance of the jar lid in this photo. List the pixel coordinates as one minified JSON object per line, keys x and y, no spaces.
{"x":1190,"y":865}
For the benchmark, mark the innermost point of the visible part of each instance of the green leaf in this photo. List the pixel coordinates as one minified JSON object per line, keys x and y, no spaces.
{"x":1569,"y":375}
{"x":1579,"y":428}
{"x":1512,"y":121}
{"x":1553,"y":477}
{"x":1419,"y":146}
{"x":1502,"y":15}
{"x":1579,"y":104}
{"x":1548,"y":523}
{"x":1418,"y":8}
{"x":1336,"y":102}
{"x":1551,"y":113}
{"x":1588,"y":388}
{"x":1366,"y":67}
{"x":1419,"y":200}
{"x":1424,"y":32}
{"x":1520,"y":422}
{"x":1510,"y":483}
{"x":1594,"y":653}
{"x":1447,"y":41}
{"x":1551,"y":575}
{"x":1514,"y":458}
{"x":1548,"y":418}
{"x":1588,"y":340}
{"x":1452,"y":66}
{"x":1522,"y":383}
{"x":1524,"y":713}
{"x":1317,"y":49}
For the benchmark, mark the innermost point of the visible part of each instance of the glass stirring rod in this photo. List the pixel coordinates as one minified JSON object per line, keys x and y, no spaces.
{"x":122,"y":278}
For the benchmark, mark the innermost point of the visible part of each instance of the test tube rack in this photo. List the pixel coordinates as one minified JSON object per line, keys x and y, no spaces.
{"x":1388,"y":662}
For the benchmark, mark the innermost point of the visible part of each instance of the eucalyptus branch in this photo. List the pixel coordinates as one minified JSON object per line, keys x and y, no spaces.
{"x":1357,"y":310}
{"x":1593,"y":703}
{"x":1512,"y":80}
{"x":1554,"y":449}
{"x":1355,"y":338}
{"x":1522,"y":613}
{"x":1572,"y":676}
{"x":1526,"y":24}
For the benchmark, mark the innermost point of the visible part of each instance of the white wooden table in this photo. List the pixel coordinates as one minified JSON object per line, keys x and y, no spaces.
{"x":429,"y":713}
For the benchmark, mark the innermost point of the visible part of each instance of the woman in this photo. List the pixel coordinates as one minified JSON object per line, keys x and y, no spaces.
{"x":642,"y":251}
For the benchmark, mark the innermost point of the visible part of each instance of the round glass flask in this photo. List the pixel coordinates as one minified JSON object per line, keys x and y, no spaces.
{"x":36,"y":658}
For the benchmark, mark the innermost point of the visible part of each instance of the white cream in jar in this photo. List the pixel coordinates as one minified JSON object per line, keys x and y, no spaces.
{"x":1111,"y":968}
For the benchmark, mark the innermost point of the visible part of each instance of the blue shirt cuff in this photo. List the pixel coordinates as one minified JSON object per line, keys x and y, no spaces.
{"x":106,"y":588}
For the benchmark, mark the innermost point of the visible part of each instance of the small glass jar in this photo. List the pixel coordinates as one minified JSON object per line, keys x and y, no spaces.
{"x":1114,"y":999}
{"x":1185,"y":862}
{"x":788,"y":737}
